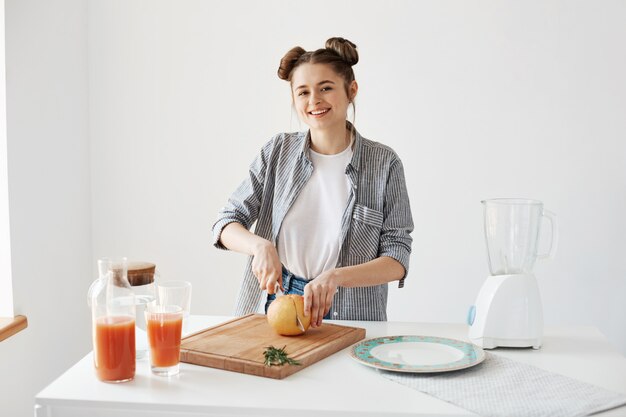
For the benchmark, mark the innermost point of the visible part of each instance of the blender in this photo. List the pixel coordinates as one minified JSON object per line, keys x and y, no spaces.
{"x":508,"y":310}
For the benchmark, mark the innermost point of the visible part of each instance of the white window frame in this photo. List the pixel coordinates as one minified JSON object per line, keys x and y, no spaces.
{"x":6,"y":280}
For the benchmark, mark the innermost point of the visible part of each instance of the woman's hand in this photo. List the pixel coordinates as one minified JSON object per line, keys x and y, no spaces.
{"x":266,"y":267}
{"x":318,"y":296}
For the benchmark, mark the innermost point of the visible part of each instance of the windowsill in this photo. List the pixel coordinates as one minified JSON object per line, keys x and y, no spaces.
{"x":10,"y":326}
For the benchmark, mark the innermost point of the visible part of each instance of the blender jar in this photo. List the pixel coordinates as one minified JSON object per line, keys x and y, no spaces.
{"x":512,"y":227}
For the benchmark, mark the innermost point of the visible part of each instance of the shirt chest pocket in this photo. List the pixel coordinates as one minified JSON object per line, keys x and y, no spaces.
{"x":365,"y":232}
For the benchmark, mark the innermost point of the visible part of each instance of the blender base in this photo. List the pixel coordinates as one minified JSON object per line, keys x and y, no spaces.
{"x":507,"y":313}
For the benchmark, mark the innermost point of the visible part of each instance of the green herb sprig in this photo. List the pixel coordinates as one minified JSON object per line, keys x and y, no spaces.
{"x":278,"y":357}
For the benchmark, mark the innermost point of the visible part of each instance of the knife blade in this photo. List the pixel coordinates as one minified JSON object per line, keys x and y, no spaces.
{"x":300,"y":325}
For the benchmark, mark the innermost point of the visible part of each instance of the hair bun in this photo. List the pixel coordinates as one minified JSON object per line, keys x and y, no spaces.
{"x":345,"y":49}
{"x":288,"y":62}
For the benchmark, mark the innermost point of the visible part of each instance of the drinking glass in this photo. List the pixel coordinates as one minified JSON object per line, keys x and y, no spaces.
{"x":175,"y":293}
{"x":164,"y":324}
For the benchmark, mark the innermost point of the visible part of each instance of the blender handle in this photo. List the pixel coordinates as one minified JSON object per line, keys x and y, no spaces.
{"x":555,"y":235}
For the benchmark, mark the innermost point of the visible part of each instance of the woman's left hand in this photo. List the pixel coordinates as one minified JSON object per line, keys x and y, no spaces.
{"x":318,"y":296}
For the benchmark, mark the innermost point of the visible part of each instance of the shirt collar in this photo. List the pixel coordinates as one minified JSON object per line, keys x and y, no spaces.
{"x":356,"y":147}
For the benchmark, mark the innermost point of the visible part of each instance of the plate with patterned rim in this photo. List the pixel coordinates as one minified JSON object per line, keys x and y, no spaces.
{"x":423,"y":354}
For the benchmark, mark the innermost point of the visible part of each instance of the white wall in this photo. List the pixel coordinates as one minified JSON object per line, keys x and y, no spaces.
{"x":161,"y":105}
{"x":480,"y":99}
{"x":50,"y":201}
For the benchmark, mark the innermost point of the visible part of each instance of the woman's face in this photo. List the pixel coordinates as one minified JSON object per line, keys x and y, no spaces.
{"x":319,"y":96}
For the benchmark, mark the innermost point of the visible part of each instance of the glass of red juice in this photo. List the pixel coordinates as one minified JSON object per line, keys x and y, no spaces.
{"x":164,"y":324}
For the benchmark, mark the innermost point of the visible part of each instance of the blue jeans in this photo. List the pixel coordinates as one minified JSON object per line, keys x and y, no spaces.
{"x":292,"y":284}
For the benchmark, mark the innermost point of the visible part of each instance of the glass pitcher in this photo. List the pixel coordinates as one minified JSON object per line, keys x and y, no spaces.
{"x":112,"y":304}
{"x":512,"y":227}
{"x":141,"y":276}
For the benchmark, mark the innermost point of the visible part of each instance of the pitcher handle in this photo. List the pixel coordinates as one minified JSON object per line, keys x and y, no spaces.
{"x":554,"y":234}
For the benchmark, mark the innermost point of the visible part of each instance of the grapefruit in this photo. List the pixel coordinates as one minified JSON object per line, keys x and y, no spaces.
{"x":282,"y":315}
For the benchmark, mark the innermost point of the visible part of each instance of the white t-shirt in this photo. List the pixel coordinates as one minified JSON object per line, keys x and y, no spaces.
{"x":310,"y":235}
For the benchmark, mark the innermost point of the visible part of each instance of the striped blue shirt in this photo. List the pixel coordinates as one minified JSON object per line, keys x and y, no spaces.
{"x":377,"y":220}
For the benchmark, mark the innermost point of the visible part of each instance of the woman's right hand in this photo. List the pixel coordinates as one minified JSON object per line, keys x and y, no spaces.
{"x":267,"y":268}
{"x":266,"y":265}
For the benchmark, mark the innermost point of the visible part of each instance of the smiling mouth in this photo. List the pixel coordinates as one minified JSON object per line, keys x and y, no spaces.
{"x":319,"y":112}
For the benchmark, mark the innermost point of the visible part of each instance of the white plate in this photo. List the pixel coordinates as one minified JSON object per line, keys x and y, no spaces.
{"x":417,"y":354}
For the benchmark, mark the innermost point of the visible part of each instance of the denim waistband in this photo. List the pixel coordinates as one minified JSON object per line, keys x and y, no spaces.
{"x":293,"y":283}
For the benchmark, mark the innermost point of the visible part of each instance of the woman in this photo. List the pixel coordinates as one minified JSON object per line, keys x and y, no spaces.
{"x":332,"y":210}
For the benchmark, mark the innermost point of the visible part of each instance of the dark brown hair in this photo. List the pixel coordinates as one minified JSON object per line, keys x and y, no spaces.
{"x":339,"y":53}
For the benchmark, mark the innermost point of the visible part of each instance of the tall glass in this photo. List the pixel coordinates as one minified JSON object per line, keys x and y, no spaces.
{"x":113,"y":322}
{"x":512,"y":227}
{"x":177,"y":293}
{"x":165,"y":324}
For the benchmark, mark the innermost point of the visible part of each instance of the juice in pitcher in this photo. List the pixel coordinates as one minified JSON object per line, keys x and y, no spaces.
{"x":112,"y":304}
{"x":114,"y":348}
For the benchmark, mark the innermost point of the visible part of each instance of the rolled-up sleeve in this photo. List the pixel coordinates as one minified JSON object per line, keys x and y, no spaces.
{"x":244,"y":204}
{"x":395,"y":238}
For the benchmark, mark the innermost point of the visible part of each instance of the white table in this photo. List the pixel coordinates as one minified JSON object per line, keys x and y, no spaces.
{"x":335,"y":386}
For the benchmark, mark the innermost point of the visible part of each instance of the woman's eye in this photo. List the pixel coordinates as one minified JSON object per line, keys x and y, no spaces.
{"x":301,"y":93}
{"x":327,"y":88}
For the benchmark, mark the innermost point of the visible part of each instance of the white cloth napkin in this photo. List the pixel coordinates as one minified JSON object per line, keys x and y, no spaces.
{"x":504,"y":387}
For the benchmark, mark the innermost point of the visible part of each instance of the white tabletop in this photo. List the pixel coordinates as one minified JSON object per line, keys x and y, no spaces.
{"x":335,"y":386}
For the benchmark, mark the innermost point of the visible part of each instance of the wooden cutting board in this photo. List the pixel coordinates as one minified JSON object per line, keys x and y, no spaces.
{"x":238,"y":346}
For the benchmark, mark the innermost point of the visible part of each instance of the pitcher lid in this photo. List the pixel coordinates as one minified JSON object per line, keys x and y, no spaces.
{"x":140,"y":273}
